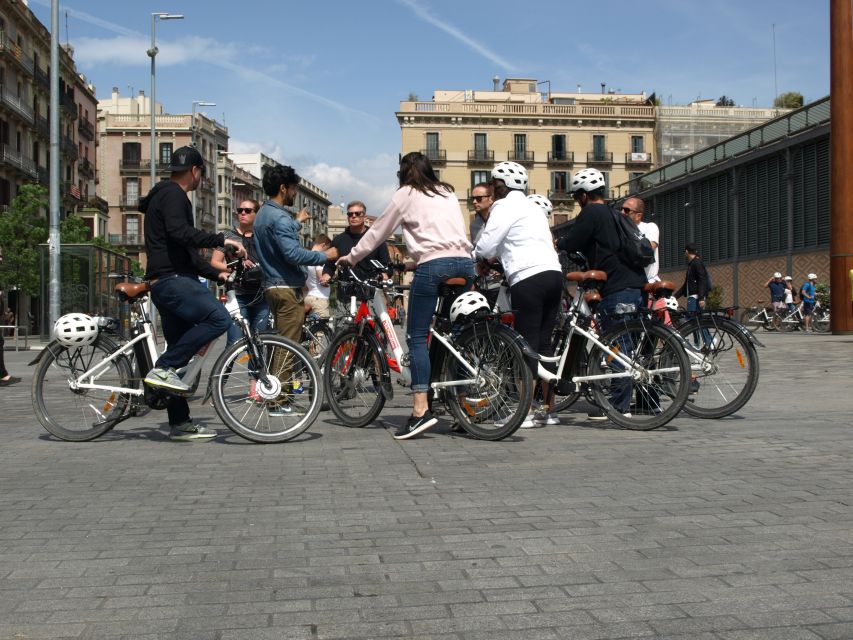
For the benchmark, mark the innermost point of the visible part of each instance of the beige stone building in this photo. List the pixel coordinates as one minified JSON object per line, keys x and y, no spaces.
{"x":465,"y":133}
{"x":25,"y":104}
{"x":124,"y":132}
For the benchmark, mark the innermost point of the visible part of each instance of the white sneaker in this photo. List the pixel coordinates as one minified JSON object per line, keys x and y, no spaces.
{"x":528,"y":423}
{"x":542,"y":418}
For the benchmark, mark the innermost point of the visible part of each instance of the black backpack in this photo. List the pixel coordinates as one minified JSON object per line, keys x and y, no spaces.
{"x":635,"y":249}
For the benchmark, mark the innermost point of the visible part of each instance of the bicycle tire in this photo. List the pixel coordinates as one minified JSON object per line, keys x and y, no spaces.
{"x":495,"y":408}
{"x":820,"y":323}
{"x":747,"y":319}
{"x":660,"y":393}
{"x":576,"y":365}
{"x":728,"y":374}
{"x":82,"y":415}
{"x":785,"y":323}
{"x":316,"y":337}
{"x":353,"y":375}
{"x":301,"y":392}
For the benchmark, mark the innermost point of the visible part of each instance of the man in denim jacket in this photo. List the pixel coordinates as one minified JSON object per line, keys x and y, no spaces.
{"x":280,"y":252}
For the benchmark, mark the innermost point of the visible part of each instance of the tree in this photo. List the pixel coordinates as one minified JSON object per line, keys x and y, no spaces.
{"x":22,"y":229}
{"x":789,"y":100}
{"x":725,"y":101}
{"x":73,"y":230}
{"x":413,"y":97}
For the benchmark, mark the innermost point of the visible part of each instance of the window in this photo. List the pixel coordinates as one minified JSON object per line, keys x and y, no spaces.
{"x":131,"y":153}
{"x":637,"y":145}
{"x":559,"y":181}
{"x":520,"y":144}
{"x":606,"y":175}
{"x":480,"y":146}
{"x":131,"y":226}
{"x":480,"y":176}
{"x":558,"y":146}
{"x":165,"y":152}
{"x":432,"y":144}
{"x":131,"y":191}
{"x":598,"y":147}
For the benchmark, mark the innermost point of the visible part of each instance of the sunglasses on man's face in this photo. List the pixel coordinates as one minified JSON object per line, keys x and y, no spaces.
{"x":478,"y":198}
{"x":250,"y":210}
{"x":355,"y":214}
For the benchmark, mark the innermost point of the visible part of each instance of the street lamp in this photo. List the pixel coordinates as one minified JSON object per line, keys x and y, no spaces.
{"x":199,"y":103}
{"x":152,"y":53}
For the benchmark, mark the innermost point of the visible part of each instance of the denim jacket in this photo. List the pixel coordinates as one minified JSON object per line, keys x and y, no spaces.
{"x":278,"y":248}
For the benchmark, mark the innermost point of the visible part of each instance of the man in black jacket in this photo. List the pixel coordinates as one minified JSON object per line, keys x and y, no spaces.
{"x":190,"y":315}
{"x":344,"y":242}
{"x":695,"y":286}
{"x":594,"y":234}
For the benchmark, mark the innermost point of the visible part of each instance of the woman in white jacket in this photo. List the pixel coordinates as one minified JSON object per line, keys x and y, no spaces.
{"x":518,"y":235}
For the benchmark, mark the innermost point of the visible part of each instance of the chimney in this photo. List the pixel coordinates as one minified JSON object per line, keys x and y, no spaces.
{"x":603,"y":86}
{"x":142,"y":93}
{"x":580,"y":88}
{"x":115,"y":93}
{"x":496,"y":83}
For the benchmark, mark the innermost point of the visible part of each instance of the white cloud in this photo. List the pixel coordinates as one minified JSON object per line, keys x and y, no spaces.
{"x":272,"y":149}
{"x":131,"y":50}
{"x":344,"y":185}
{"x":424,"y":14}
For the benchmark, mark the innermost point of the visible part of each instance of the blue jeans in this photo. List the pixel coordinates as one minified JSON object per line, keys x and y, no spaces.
{"x":190,"y":316}
{"x":254,"y":308}
{"x":693,"y":309}
{"x":423,"y":297}
{"x":620,"y":388}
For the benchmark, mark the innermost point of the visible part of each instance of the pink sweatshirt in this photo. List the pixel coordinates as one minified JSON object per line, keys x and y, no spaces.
{"x":432,"y":227}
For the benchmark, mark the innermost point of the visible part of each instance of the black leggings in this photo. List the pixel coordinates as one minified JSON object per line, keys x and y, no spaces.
{"x":536,"y":301}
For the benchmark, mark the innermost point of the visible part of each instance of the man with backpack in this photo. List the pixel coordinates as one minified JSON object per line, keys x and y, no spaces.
{"x":599,"y":234}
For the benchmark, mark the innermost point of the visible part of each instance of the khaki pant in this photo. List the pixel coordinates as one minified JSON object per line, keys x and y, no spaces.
{"x":319,"y":305}
{"x":288,"y":311}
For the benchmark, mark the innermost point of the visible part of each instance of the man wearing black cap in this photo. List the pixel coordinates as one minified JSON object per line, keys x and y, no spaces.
{"x":190,"y":314}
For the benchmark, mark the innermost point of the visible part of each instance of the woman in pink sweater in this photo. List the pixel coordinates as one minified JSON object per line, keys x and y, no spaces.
{"x":434,"y":233}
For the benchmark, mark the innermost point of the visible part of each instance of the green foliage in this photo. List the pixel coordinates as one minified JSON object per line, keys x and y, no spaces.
{"x":725,"y":101}
{"x":22,"y":229}
{"x":789,"y":100}
{"x":822,"y":294}
{"x":715,"y":298}
{"x":73,"y":230}
{"x":413,"y":97}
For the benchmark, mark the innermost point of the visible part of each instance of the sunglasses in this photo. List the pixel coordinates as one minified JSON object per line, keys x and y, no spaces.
{"x":250,"y":210}
{"x":627,"y":210}
{"x":355,"y":214}
{"x":478,"y":198}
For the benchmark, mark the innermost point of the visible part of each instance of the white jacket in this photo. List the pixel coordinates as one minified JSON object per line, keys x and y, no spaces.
{"x":517,"y":233}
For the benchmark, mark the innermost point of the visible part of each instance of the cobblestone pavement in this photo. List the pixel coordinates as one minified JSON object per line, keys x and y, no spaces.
{"x":732,"y":529}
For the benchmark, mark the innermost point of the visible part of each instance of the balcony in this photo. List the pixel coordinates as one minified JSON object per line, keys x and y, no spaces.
{"x":559,"y":196}
{"x":85,"y":168}
{"x":43,"y":127}
{"x":599,"y":157}
{"x":521,"y":157}
{"x":136,"y":165}
{"x":481,"y":156}
{"x":86,"y":129}
{"x":42,"y":78}
{"x":638,"y":158}
{"x":13,"y":51}
{"x":14,"y":103}
{"x":436,"y":156}
{"x":126,"y":240}
{"x":17,"y":160}
{"x":68,"y":147}
{"x":561,"y":158}
{"x":71,"y":191}
{"x":68,"y":104}
{"x":129,"y":202}
{"x":96,"y":202}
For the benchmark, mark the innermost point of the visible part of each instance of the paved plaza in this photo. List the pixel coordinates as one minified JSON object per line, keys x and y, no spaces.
{"x":734,"y":529}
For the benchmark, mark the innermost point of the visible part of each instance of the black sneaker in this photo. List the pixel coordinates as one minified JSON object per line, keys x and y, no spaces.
{"x":694,"y":385}
{"x":415,"y":426}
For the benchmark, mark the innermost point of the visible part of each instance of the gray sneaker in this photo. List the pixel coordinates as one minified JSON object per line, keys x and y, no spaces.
{"x":166,"y":378}
{"x":189,"y":432}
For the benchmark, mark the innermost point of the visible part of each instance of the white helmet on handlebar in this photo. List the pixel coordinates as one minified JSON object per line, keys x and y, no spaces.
{"x":671,"y":304}
{"x":466,"y":304}
{"x":542,"y":202}
{"x":75,"y":330}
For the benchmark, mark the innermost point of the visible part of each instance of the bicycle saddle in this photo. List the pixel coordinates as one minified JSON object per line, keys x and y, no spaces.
{"x":131,"y":291}
{"x":587,"y":276}
{"x":664,"y":288}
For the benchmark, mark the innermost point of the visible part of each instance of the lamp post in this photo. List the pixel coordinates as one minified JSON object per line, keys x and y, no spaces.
{"x":152,"y":53}
{"x":199,"y":103}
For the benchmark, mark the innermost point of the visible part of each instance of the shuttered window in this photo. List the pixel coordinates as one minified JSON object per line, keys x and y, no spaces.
{"x":763,"y":225}
{"x":670,"y":214}
{"x":714,"y":223}
{"x":811,"y":195}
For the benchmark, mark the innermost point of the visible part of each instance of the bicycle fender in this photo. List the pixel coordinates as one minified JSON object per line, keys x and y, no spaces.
{"x":749,"y":334}
{"x":514,"y":335}
{"x":47,"y":349}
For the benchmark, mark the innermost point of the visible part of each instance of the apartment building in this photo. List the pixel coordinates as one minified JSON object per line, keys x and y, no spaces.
{"x":25,"y":104}
{"x":553,"y":134}
{"x":124,"y":133}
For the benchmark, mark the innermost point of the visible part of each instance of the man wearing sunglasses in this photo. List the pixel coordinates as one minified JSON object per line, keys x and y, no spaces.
{"x":482,"y":199}
{"x":344,"y":242}
{"x":635,"y":209}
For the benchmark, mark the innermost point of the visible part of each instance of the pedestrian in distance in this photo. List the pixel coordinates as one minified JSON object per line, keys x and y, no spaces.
{"x":777,"y":292}
{"x":808,"y":292}
{"x":317,"y":288}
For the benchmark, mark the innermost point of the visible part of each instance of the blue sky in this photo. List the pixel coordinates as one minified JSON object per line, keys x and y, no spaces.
{"x":316,"y":84}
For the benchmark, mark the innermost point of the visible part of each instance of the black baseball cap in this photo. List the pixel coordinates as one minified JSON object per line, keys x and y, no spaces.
{"x":185,"y":158}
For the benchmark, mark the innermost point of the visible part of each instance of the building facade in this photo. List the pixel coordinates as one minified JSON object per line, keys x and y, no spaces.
{"x":25,"y":104}
{"x":465,"y":133}
{"x":124,"y":133}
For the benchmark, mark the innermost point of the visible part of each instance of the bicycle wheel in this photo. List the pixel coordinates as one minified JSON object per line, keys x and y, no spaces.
{"x":751,"y":318}
{"x":494,"y":406}
{"x":820,"y":321}
{"x":657,"y":389}
{"x":577,"y":365}
{"x":725,"y":373}
{"x":81,"y":414}
{"x":785,"y":323}
{"x":316,"y":337}
{"x":352,"y":377}
{"x":261,"y":413}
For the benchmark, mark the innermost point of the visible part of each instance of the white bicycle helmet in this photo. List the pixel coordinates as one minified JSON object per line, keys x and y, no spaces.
{"x":788,"y":278}
{"x":587,"y":180}
{"x":777,"y":275}
{"x":466,"y":304}
{"x":542,"y":202}
{"x":671,"y":303}
{"x":75,"y":330}
{"x":512,"y":173}
{"x":812,"y":276}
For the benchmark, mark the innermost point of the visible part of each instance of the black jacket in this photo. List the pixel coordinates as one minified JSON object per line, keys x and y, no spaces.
{"x":696,"y":280}
{"x":344,"y":242}
{"x":594,"y":234}
{"x":171,"y":239}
